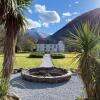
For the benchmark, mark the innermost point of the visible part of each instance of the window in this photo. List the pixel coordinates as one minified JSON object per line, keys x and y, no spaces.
{"x":44,"y":48}
{"x":50,"y":48}
{"x":55,"y":46}
{"x":44,"y":45}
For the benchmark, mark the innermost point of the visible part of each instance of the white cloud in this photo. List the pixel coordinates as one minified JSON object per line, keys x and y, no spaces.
{"x":29,"y":10}
{"x":69,"y":19}
{"x":75,"y":13}
{"x":45,"y":24}
{"x":67,"y":14}
{"x":40,"y":8}
{"x":47,"y":16}
{"x":33,"y":24}
{"x":76,"y":2}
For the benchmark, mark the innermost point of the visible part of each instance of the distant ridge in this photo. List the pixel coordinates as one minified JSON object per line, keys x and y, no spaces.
{"x":92,"y":16}
{"x":36,"y":34}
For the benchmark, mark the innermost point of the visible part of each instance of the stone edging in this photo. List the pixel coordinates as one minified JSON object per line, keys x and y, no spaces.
{"x":56,"y":79}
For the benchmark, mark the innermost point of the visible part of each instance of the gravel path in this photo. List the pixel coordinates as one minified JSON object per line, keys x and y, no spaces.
{"x":47,"y":62}
{"x":41,"y":91}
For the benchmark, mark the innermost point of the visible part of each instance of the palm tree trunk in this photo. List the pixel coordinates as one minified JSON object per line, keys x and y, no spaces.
{"x":9,"y":57}
{"x":97,"y":64}
{"x":86,"y":74}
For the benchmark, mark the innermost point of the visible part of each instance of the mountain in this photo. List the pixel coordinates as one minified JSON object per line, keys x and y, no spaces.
{"x":91,"y":16}
{"x":36,"y":34}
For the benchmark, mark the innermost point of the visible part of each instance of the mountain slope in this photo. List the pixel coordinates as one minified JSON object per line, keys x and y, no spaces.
{"x":36,"y":34}
{"x":91,"y":16}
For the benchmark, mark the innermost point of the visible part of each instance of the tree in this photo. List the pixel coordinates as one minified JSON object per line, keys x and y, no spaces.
{"x":87,"y":38}
{"x":25,"y":43}
{"x":28,"y":44}
{"x":11,"y":17}
{"x":1,"y":38}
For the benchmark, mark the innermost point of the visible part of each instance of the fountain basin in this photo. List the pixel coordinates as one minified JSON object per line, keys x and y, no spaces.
{"x":46,"y":75}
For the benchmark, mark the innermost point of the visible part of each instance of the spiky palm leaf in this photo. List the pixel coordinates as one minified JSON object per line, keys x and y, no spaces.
{"x":86,"y":39}
{"x":14,"y":8}
{"x":11,"y":15}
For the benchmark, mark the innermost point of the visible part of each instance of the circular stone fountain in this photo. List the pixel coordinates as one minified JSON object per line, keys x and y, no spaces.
{"x":47,"y":75}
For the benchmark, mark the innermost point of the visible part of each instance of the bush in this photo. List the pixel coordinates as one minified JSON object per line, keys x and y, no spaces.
{"x":57,"y":55}
{"x":36,"y":55}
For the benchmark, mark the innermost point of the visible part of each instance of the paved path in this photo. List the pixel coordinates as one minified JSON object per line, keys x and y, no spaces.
{"x":41,"y":91}
{"x":47,"y":62}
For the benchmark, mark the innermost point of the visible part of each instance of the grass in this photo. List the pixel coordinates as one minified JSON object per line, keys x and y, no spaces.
{"x":22,"y":61}
{"x":69,"y":62}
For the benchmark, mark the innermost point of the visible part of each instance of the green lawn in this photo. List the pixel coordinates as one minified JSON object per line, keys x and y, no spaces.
{"x":70,"y":61}
{"x":22,"y":61}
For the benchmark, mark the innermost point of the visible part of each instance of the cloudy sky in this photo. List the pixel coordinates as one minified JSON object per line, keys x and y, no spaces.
{"x":50,"y":15}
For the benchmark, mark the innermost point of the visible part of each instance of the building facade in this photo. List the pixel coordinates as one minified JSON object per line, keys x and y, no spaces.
{"x":50,"y":46}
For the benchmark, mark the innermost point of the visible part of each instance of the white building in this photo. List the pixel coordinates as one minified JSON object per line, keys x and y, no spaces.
{"x":50,"y":46}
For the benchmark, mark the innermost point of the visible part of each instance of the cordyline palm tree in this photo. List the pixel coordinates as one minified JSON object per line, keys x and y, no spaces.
{"x":86,"y":38}
{"x":11,"y":16}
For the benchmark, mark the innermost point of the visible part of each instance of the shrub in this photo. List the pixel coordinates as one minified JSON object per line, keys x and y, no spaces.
{"x":57,"y":55}
{"x":36,"y":55}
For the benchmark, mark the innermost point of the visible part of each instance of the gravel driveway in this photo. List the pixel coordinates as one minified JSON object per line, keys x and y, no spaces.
{"x":41,"y":91}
